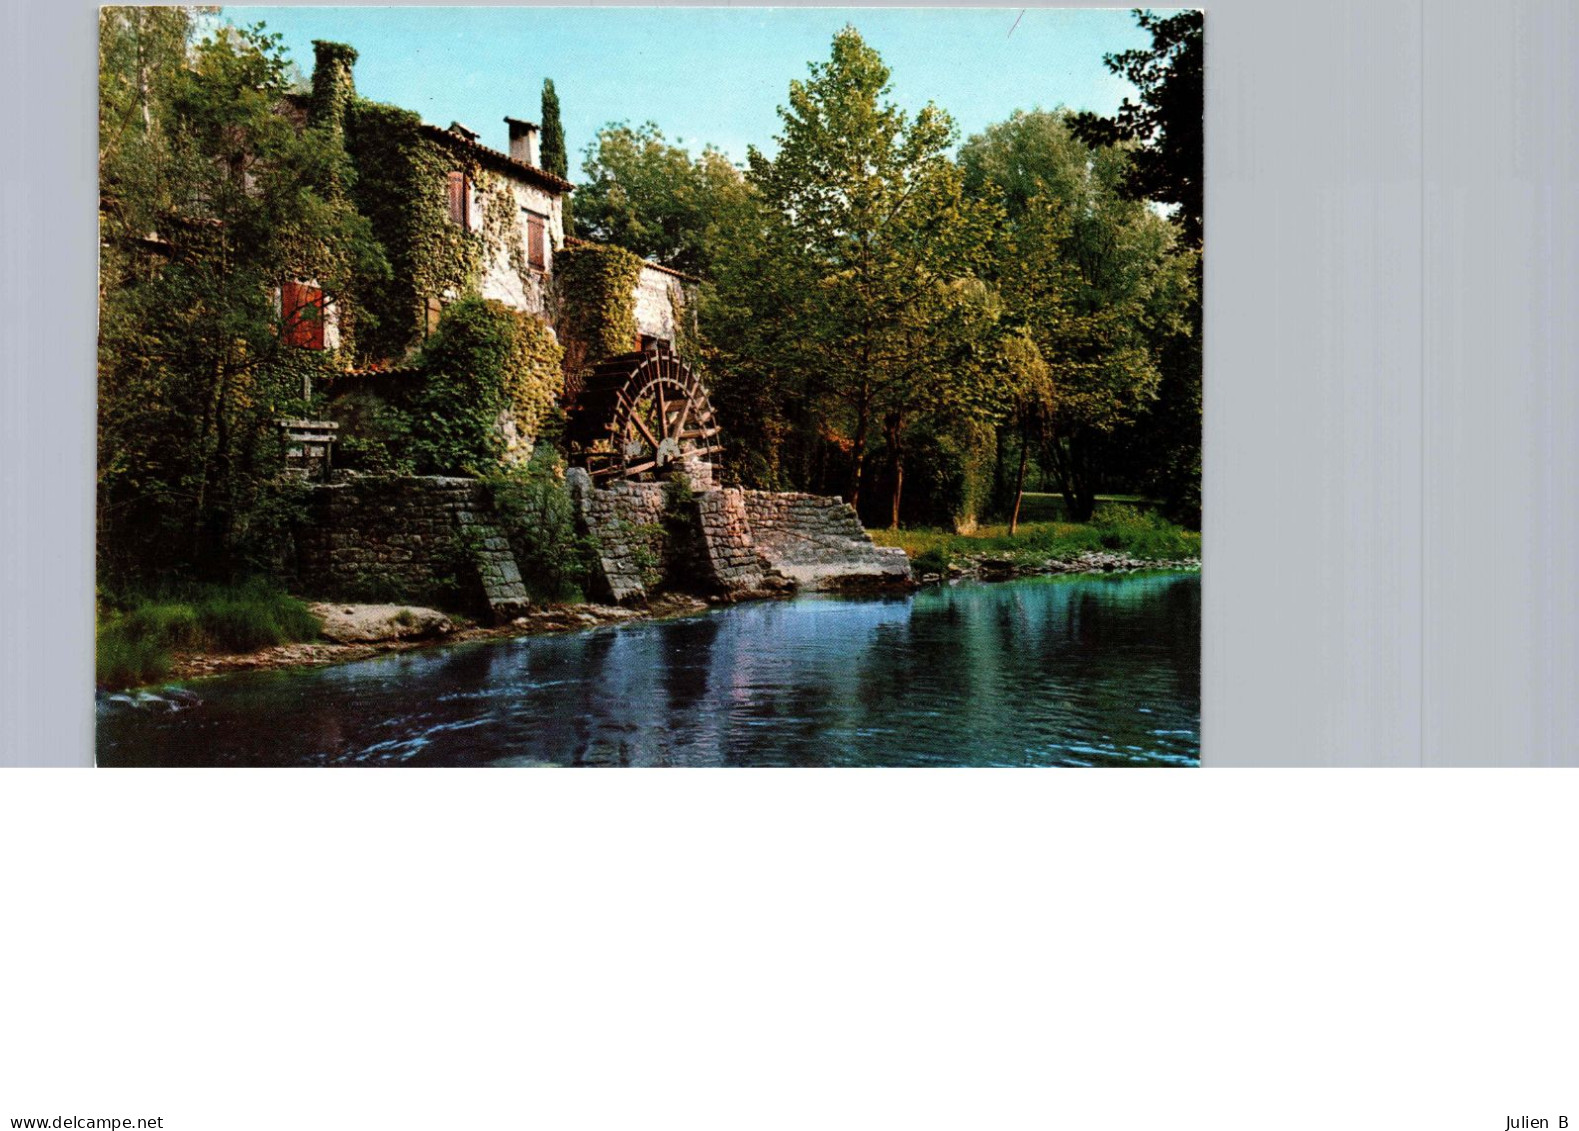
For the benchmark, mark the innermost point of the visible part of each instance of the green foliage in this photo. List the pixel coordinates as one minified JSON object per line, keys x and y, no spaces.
{"x":595,"y":302}
{"x":1143,"y":537}
{"x":124,"y":661}
{"x":933,"y":560}
{"x":1165,"y":126}
{"x":193,"y":367}
{"x":1167,"y":121}
{"x":854,"y":297}
{"x":952,"y":463}
{"x":374,"y":436}
{"x":643,"y":538}
{"x":539,"y":518}
{"x":653,"y":198}
{"x":402,"y":189}
{"x":555,"y":158}
{"x":1098,"y":282}
{"x":485,"y":362}
{"x":138,"y":635}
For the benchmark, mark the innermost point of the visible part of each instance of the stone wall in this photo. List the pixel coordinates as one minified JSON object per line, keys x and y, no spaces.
{"x":438,"y":541}
{"x":408,"y":538}
{"x":627,"y":521}
{"x":727,"y":541}
{"x":817,"y":541}
{"x":727,"y":553}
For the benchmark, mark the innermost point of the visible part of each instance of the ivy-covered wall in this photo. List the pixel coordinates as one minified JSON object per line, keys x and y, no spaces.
{"x":595,"y":302}
{"x":402,"y":187}
{"x":476,"y":396}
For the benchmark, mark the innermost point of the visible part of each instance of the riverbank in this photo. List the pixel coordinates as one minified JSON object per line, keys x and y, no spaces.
{"x":1117,"y":539}
{"x":551,"y":619}
{"x":258,"y":628}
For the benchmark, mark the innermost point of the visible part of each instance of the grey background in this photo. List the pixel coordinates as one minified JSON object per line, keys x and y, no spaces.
{"x":1392,"y":427}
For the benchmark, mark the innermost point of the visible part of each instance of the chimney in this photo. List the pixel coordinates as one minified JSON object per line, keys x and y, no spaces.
{"x":333,"y":86}
{"x":523,"y":141}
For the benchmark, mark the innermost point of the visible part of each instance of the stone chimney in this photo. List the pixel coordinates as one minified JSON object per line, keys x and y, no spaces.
{"x":523,"y":141}
{"x":333,"y":85}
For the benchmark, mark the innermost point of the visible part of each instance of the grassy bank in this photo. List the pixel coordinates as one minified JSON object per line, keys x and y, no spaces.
{"x":1115,"y":528}
{"x":138,"y":637}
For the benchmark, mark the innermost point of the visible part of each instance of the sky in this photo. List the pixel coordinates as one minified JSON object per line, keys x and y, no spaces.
{"x":705,"y":75}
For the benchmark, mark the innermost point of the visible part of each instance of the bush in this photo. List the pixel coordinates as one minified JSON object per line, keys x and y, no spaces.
{"x":125,"y":661}
{"x":539,"y":519}
{"x":375,"y":435}
{"x":137,"y":636}
{"x":934,"y":560}
{"x":485,"y":362}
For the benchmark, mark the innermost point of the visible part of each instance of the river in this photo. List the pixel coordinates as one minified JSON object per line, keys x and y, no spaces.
{"x":1076,"y":671}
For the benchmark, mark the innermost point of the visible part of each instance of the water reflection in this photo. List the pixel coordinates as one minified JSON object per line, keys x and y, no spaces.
{"x":1087,"y":671}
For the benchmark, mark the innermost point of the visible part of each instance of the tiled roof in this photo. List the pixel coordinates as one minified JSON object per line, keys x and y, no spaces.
{"x":399,"y":370}
{"x":542,"y":176}
{"x":574,"y":241}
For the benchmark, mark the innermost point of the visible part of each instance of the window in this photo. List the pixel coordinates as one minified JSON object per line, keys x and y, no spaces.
{"x":301,"y":308}
{"x":536,"y":241}
{"x":461,"y":200}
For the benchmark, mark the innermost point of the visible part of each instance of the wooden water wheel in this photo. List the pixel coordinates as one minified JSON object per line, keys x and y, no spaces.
{"x":638,"y":414}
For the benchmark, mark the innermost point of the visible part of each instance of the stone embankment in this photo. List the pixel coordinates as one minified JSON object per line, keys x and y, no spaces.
{"x":438,"y":541}
{"x":817,"y":541}
{"x":728,"y":542}
{"x":422,"y":538}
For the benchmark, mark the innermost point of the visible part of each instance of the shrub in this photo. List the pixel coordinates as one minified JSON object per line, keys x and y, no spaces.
{"x":122,"y":660}
{"x":486,"y":362}
{"x":137,"y":637}
{"x":539,"y":518}
{"x":375,"y":435}
{"x":935,"y":560}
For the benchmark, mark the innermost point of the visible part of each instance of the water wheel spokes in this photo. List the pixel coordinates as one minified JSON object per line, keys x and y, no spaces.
{"x":639,"y":414}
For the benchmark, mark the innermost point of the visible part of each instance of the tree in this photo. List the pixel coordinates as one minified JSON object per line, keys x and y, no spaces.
{"x":655,"y":199}
{"x":230,"y":201}
{"x":555,"y":158}
{"x":1033,"y":399}
{"x":1166,"y":128}
{"x":1166,"y":124}
{"x":1097,"y":279}
{"x":865,"y":264}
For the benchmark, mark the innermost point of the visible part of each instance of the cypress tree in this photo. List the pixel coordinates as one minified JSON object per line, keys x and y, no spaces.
{"x":554,"y":156}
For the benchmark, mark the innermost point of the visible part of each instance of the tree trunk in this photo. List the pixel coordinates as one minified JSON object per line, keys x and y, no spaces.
{"x":1019,"y":484}
{"x":1075,"y":481}
{"x":896,"y":464}
{"x":861,"y":425}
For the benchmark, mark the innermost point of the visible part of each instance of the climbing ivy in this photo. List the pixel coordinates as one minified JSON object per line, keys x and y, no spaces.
{"x":487,"y":366}
{"x":402,"y":188}
{"x":595,"y":301}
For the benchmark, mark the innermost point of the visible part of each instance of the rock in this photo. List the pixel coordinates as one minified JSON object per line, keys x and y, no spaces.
{"x":365,"y":624}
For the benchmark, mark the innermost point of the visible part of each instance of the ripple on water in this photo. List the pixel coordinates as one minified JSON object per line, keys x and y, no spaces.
{"x":1049,"y":671}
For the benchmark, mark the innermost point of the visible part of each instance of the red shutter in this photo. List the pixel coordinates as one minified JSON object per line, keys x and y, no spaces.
{"x":536,"y":252}
{"x":460,"y":200}
{"x":301,"y":308}
{"x":312,"y":318}
{"x":288,"y":313}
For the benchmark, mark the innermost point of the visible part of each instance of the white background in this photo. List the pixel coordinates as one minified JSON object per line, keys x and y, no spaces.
{"x":1289,"y":950}
{"x":1391,"y":467}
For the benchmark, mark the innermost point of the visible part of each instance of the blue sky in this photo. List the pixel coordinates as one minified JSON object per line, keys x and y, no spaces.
{"x":705,"y":75}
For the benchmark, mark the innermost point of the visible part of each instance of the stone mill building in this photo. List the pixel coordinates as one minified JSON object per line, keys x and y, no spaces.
{"x":459,"y":218}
